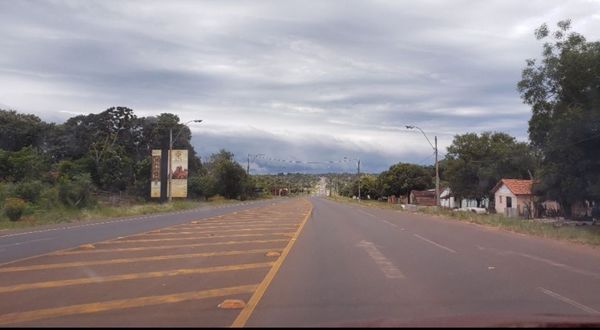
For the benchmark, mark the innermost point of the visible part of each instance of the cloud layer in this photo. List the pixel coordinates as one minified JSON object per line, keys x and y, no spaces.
{"x":302,"y":81}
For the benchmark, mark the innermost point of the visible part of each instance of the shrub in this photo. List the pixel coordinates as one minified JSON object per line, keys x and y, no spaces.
{"x":49,"y":199}
{"x":216,"y":198}
{"x":76,"y":192}
{"x":14,"y":208}
{"x":29,"y":190}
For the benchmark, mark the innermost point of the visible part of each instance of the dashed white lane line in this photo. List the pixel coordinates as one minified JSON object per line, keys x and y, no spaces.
{"x":367,"y":213}
{"x":385,"y":265}
{"x":571,"y":302}
{"x":391,"y":224}
{"x":434,"y":243}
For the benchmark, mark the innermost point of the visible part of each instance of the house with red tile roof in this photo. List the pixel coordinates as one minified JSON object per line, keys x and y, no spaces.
{"x":513,"y":197}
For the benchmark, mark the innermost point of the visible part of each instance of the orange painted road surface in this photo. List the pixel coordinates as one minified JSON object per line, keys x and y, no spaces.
{"x":174,"y":276}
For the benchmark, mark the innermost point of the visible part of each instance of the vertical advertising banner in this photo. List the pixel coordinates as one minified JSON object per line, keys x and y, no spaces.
{"x":155,"y":176}
{"x":179,"y":167}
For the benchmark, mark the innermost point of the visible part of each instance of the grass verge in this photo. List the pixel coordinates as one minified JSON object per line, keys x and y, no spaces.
{"x":37,"y":217}
{"x":589,"y":235}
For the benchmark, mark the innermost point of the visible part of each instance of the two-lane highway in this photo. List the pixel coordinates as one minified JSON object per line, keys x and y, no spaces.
{"x":301,"y":262}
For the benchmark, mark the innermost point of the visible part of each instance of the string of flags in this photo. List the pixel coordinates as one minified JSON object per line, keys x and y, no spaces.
{"x":291,"y":161}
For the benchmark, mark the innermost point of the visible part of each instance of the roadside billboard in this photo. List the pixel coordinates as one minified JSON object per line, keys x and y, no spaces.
{"x":155,"y":176}
{"x":179,"y":169}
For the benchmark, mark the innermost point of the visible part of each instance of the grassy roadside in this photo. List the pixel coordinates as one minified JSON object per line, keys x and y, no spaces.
{"x":38,"y":217}
{"x":589,"y":235}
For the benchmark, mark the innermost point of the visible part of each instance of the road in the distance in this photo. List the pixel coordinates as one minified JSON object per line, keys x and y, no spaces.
{"x":364,"y":266}
{"x":23,"y":243}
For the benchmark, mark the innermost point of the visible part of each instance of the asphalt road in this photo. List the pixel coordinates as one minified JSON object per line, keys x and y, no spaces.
{"x":180,"y":275}
{"x":301,"y":263}
{"x":355,"y":266}
{"x":23,"y":243}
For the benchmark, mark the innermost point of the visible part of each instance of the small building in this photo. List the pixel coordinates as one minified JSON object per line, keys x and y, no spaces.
{"x":448,"y":200}
{"x":422,"y":197}
{"x":513,"y":197}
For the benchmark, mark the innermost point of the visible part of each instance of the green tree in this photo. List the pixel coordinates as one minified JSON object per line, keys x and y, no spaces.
{"x":20,"y":130}
{"x":27,"y":163}
{"x":563,"y":90}
{"x":401,"y":178}
{"x":475,"y":163}
{"x":228,"y":178}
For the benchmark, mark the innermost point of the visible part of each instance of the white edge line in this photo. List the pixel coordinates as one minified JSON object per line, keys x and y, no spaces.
{"x":570,"y":302}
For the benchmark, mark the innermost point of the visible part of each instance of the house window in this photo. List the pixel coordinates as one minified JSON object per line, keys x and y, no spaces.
{"x":499,"y":199}
{"x":508,"y":202}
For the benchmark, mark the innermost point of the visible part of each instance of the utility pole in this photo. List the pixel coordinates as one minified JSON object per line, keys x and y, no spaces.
{"x":170,"y":161}
{"x":437,"y":176}
{"x":358,"y":171}
{"x":253,"y":159}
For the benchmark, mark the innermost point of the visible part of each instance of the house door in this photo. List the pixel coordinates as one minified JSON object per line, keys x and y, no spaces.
{"x":509,"y":202}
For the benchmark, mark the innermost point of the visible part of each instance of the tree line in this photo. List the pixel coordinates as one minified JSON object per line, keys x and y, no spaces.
{"x":49,"y":165}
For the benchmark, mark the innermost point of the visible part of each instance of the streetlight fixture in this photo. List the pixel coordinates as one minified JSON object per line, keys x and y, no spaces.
{"x":437,"y":173}
{"x":171,"y":153}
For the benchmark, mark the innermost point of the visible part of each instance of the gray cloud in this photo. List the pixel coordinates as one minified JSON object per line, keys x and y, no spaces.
{"x":317,"y":81}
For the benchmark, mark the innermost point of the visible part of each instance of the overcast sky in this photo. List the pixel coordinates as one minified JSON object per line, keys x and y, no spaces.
{"x":306,"y":81}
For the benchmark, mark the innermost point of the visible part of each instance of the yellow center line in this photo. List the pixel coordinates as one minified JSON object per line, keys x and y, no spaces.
{"x":121,"y":304}
{"x":196,"y":238}
{"x":245,"y":314}
{"x":132,"y":276}
{"x":144,"y":248}
{"x":128,"y":260}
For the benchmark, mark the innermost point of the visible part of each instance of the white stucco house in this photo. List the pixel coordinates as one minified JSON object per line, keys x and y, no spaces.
{"x":448,"y":200}
{"x":513,"y":197}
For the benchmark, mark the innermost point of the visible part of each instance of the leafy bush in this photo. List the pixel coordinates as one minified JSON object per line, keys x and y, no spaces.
{"x":216,"y":198}
{"x":5,"y":189}
{"x":76,"y":192}
{"x":14,"y":208}
{"x":29,"y":190}
{"x":49,"y":199}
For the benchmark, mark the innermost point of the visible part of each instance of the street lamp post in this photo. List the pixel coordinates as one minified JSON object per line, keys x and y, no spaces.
{"x":171,"y":153}
{"x":437,"y":173}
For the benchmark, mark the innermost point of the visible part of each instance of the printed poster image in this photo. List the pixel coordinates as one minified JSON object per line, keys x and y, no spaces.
{"x":179,"y":168}
{"x":155,"y":176}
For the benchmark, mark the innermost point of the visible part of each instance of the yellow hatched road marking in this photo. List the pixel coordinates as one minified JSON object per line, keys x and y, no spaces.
{"x":121,"y":304}
{"x":127,"y":260}
{"x":196,"y":238}
{"x":233,"y":224}
{"x":213,"y":231}
{"x":200,"y":227}
{"x":161,"y":247}
{"x":132,"y":276}
{"x":245,"y":314}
